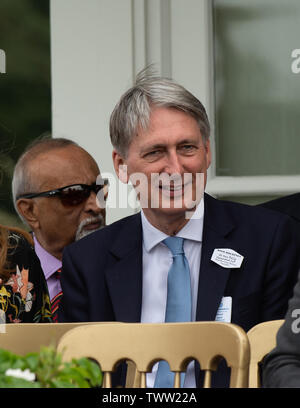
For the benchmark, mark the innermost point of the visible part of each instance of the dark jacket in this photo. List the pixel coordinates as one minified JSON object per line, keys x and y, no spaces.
{"x":102,"y":273}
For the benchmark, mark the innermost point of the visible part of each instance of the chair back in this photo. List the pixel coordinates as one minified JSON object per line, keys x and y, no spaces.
{"x":145,"y":344}
{"x":23,"y":338}
{"x":262,"y":339}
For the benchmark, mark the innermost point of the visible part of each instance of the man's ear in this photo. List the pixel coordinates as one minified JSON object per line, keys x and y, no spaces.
{"x":120,"y":166}
{"x":27,"y":209}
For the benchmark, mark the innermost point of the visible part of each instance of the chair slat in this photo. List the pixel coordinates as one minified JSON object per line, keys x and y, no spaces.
{"x":207,"y":379}
{"x":177,"y":380}
{"x":106,"y":380}
{"x":143,"y":381}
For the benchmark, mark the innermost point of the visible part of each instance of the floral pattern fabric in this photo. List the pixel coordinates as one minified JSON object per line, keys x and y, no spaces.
{"x":24,"y":297}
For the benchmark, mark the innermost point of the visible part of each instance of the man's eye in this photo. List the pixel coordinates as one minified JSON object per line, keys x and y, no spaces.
{"x":153,"y":153}
{"x":187,"y":148}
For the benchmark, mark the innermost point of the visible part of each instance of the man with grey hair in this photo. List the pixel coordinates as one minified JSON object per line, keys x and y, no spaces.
{"x":186,"y":256}
{"x":54,"y":192}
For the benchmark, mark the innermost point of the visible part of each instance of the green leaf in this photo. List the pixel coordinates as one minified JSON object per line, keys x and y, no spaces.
{"x":32,"y":361}
{"x":61,"y":383}
{"x":49,"y":369}
{"x":13,"y":382}
{"x":75,"y":376}
{"x":94,"y":373}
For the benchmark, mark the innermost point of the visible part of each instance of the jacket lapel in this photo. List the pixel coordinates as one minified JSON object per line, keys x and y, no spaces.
{"x":124,"y":275}
{"x":213,"y":277}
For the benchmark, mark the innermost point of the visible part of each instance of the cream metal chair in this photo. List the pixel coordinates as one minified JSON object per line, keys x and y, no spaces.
{"x":262,"y":339}
{"x":23,"y":338}
{"x":145,"y":343}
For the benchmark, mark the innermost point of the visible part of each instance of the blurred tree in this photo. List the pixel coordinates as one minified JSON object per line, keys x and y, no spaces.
{"x":25,"y":88}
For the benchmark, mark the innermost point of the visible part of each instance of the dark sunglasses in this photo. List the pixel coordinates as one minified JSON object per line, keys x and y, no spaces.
{"x":72,"y":195}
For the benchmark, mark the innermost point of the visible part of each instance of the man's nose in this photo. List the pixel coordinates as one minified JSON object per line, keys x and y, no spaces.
{"x":173,"y":164}
{"x":93,"y":204}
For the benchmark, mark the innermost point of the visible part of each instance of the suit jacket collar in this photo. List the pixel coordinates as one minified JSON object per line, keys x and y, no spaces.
{"x":124,"y":275}
{"x":213,"y":278}
{"x":128,"y":237}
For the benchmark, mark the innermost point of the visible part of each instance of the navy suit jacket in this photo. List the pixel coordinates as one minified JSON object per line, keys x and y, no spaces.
{"x":289,"y":205}
{"x":102,"y":273}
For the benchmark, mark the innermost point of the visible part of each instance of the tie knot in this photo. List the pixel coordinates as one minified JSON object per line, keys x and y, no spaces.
{"x":175,"y":244}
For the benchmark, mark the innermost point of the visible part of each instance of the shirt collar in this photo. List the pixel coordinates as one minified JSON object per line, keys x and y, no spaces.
{"x":192,"y":230}
{"x":49,"y":263}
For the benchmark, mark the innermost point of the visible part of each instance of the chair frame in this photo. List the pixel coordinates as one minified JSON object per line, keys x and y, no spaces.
{"x":144,"y":344}
{"x":23,"y":338}
{"x":262,"y":339}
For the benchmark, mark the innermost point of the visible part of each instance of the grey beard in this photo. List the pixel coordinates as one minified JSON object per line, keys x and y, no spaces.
{"x":81,"y":232}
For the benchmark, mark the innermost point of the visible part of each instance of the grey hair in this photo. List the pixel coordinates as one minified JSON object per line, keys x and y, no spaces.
{"x":23,"y":181}
{"x":133,"y":109}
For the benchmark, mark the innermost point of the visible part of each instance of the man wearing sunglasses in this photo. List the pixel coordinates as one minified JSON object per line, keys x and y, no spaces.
{"x":55,"y":185}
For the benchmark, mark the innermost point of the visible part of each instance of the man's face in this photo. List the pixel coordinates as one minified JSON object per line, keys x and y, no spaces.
{"x":172,"y":145}
{"x":58,"y":225}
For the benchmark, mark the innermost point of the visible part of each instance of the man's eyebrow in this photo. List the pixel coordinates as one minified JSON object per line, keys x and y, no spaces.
{"x":188,"y":141}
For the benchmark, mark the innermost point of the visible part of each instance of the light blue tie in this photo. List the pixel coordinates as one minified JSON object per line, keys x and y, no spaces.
{"x":179,"y":301}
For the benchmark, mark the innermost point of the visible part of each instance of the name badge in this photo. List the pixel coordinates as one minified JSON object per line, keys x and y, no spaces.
{"x":224,"y":311}
{"x":227,"y":258}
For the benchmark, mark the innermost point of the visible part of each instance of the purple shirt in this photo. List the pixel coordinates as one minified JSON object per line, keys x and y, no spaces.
{"x":50,"y":265}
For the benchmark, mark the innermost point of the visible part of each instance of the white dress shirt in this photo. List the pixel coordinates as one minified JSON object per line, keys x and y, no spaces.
{"x":157,"y":260}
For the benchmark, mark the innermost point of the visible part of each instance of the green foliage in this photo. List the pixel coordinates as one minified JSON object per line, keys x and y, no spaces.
{"x":25,"y":88}
{"x":49,"y":370}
